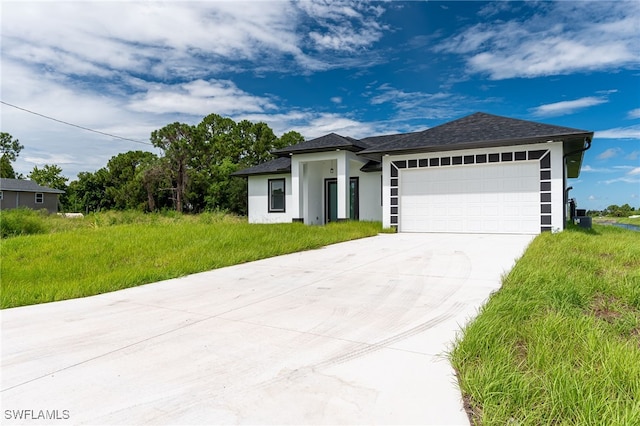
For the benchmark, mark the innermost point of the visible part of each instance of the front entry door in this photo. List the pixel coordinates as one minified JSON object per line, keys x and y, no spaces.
{"x":331,"y":199}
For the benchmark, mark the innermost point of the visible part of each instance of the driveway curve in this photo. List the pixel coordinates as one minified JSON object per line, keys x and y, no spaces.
{"x":352,"y":333}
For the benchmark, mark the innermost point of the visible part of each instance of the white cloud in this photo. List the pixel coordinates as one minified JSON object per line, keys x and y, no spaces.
{"x":567,"y":107}
{"x":347,"y":25}
{"x":631,"y":132}
{"x":555,"y":38}
{"x":633,"y":155}
{"x":609,"y":153}
{"x":336,"y":100}
{"x":634,"y":113}
{"x":199,"y":97}
{"x":587,"y":168}
{"x":621,"y":180}
{"x":419,"y":105}
{"x":185,"y":38}
{"x":635,"y":171}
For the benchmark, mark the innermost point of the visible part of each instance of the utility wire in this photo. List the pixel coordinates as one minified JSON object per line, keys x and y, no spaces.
{"x":74,"y":125}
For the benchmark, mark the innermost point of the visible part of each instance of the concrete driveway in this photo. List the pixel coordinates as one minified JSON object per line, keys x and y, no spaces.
{"x":355,"y":332}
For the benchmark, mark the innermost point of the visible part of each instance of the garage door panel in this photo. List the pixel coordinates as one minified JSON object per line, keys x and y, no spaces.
{"x":482,"y":198}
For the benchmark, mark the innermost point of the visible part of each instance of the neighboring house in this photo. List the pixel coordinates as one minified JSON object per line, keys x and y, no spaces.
{"x":479,"y":174}
{"x":16,"y":193}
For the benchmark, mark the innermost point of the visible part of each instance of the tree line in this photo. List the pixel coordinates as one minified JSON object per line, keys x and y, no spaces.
{"x":192,"y":174}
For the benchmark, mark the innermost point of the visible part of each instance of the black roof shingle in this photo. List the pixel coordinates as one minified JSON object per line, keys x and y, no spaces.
{"x":477,"y":130}
{"x":279,"y":165}
{"x":329,"y":142}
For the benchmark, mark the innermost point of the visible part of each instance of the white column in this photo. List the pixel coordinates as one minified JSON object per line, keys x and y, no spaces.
{"x":557,"y":186}
{"x":304,"y":197}
{"x":386,"y":192}
{"x":343,"y":185}
{"x":296,"y":189}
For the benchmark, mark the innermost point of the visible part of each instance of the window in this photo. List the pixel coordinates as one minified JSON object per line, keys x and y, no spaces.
{"x":276,"y":195}
{"x":0,"y":195}
{"x":39,"y":198}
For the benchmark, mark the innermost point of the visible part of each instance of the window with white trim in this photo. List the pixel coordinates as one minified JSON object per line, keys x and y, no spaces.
{"x":276,"y":196}
{"x":39,"y":198}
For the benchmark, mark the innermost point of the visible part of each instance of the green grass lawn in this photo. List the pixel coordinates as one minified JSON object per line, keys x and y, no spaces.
{"x":559,"y":343}
{"x":82,"y":257}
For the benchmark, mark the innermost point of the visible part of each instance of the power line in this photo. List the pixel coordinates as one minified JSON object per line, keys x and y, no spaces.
{"x":74,"y":125}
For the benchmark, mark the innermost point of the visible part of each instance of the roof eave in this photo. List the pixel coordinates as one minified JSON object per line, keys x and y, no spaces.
{"x":273,"y":172}
{"x":574,"y":154}
{"x":286,"y":152}
{"x":475,"y":145}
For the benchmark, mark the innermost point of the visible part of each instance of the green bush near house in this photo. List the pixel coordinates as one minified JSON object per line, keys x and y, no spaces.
{"x":22,"y":221}
{"x":559,"y":343}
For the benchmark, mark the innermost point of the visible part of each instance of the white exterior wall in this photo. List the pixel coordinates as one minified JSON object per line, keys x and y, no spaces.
{"x":370,"y":201}
{"x":557,"y":184}
{"x":309,"y":203}
{"x":258,"y":202}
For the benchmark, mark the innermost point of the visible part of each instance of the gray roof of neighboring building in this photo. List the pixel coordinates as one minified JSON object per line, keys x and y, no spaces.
{"x":329,"y":142}
{"x":279,"y":165}
{"x":22,"y":185}
{"x":477,"y":130}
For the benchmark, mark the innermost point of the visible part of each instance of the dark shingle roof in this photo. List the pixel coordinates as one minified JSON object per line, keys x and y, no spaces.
{"x":376,"y":141}
{"x":477,"y":130}
{"x":21,"y":185}
{"x":329,"y":142}
{"x":279,"y":165}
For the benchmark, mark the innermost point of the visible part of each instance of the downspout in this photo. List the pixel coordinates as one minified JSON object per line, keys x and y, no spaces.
{"x":587,"y":142}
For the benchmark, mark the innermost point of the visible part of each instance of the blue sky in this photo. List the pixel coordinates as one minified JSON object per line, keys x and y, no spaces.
{"x":355,"y":68}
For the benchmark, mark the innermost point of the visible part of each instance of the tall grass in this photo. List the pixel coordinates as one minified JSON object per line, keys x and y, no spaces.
{"x":559,"y":343}
{"x":100,"y":256}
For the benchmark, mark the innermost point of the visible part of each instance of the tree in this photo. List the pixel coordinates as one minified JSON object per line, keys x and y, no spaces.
{"x":176,"y":141}
{"x":87,"y":194}
{"x":10,"y":149}
{"x":290,"y":138}
{"x":49,"y":175}
{"x":6,"y":169}
{"x":124,"y":186}
{"x":155,"y":180}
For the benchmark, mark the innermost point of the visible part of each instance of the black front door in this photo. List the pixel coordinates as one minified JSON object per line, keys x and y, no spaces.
{"x":331,"y":199}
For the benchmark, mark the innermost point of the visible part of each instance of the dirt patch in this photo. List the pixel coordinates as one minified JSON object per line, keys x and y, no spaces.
{"x":473,"y":411}
{"x":521,"y":353}
{"x":606,"y":308}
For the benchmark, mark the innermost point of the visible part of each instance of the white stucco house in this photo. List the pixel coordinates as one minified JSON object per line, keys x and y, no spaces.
{"x":478,"y":174}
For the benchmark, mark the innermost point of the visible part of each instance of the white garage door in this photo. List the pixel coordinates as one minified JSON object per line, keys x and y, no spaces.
{"x":496,"y":198}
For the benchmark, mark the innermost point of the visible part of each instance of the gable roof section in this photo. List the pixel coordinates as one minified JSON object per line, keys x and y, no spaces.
{"x":329,"y":142}
{"x":279,"y":165}
{"x":21,"y":185}
{"x":479,"y":130}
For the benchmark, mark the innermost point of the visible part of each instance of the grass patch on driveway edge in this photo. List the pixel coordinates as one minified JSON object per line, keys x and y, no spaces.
{"x":88,"y":261}
{"x":559,"y":343}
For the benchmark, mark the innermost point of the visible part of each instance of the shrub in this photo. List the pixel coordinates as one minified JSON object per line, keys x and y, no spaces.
{"x":22,"y":221}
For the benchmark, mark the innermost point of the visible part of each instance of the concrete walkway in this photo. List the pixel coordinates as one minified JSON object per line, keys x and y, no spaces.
{"x":354,"y":333}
